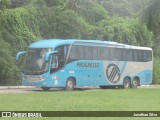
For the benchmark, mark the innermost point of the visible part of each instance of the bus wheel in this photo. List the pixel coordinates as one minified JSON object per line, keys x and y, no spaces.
{"x":45,"y":88}
{"x":126,"y":83}
{"x":135,"y":83}
{"x":70,"y":84}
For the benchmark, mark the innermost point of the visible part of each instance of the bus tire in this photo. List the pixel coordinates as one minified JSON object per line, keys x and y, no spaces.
{"x":45,"y":88}
{"x":126,"y":83}
{"x":135,"y":83}
{"x":70,"y":84}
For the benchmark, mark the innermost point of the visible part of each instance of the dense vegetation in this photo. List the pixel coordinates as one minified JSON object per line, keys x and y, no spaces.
{"x":25,"y":21}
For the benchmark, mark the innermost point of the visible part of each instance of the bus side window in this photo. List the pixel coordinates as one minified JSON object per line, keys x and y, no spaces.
{"x":66,"y":48}
{"x":145,"y":56}
{"x":79,"y":52}
{"x":123,"y":55}
{"x":135,"y":55}
{"x":86,"y":52}
{"x":95,"y":53}
{"x":108,"y":53}
{"x":119,"y":54}
{"x":91,"y":53}
{"x":101,"y":53}
{"x":62,"y":55}
{"x":128,"y":55}
{"x":139,"y":55}
{"x":149,"y":55}
{"x":72,"y":53}
{"x":113,"y":54}
{"x":54,"y":64}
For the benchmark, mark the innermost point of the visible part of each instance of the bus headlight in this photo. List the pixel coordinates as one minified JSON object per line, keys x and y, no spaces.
{"x":41,"y":78}
{"x":33,"y":78}
{"x":24,"y":77}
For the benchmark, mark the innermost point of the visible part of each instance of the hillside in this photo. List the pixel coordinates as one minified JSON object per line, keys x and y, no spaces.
{"x":25,"y":21}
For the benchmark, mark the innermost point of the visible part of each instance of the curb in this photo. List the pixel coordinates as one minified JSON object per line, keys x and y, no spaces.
{"x":24,"y":87}
{"x":149,"y":86}
{"x":16,"y":87}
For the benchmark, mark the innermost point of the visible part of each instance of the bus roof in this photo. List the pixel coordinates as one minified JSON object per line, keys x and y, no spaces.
{"x":52,"y":43}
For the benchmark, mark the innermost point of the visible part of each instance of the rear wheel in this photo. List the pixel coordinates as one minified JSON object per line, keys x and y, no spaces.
{"x":126,"y":83}
{"x":45,"y":88}
{"x":135,"y":83}
{"x":70,"y":84}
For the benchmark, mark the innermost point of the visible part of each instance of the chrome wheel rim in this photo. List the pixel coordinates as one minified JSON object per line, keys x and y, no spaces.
{"x":70,"y":84}
{"x":126,"y":83}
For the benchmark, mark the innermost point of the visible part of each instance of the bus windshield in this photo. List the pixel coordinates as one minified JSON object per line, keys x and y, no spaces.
{"x":35,"y":63}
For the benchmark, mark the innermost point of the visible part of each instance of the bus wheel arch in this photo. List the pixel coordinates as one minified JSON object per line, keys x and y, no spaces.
{"x":70,"y":83}
{"x":127,"y":82}
{"x":135,"y":82}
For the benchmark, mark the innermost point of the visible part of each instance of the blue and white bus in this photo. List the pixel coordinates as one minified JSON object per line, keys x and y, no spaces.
{"x":77,"y":63}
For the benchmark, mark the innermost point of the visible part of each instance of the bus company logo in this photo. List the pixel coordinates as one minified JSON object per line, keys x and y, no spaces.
{"x":113,"y":73}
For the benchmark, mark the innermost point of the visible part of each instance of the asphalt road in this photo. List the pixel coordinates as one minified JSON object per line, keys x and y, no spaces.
{"x":23,"y":89}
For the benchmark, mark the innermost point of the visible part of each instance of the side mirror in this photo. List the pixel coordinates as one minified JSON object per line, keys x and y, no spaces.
{"x":48,"y":54}
{"x":19,"y":54}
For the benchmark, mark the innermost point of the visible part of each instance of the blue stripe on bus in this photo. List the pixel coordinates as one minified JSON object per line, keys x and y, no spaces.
{"x":123,"y":67}
{"x":118,"y":62}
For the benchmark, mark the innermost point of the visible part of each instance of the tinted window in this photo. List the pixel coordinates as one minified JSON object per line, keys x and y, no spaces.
{"x":144,"y":57}
{"x":62,"y":51}
{"x":135,"y":55}
{"x":72,"y":54}
{"x":140,"y":57}
{"x":79,"y":52}
{"x":107,"y":53}
{"x":95,"y":53}
{"x":59,"y":59}
{"x":83,"y":52}
{"x":102,"y":53}
{"x":113,"y":54}
{"x":128,"y":56}
{"x":86,"y":52}
{"x":91,"y":53}
{"x":119,"y":54}
{"x":149,"y":55}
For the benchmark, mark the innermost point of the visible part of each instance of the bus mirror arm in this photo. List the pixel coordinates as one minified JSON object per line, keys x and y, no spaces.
{"x":48,"y":54}
{"x":19,"y":54}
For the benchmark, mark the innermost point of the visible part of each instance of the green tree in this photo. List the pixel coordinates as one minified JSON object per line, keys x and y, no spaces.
{"x":19,"y":27}
{"x":51,"y":3}
{"x":80,"y":19}
{"x":151,"y":16}
{"x":89,"y":9}
{"x":4,"y":4}
{"x":19,"y":3}
{"x":8,"y":69}
{"x":156,"y":71}
{"x":127,"y":31}
{"x":124,"y":7}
